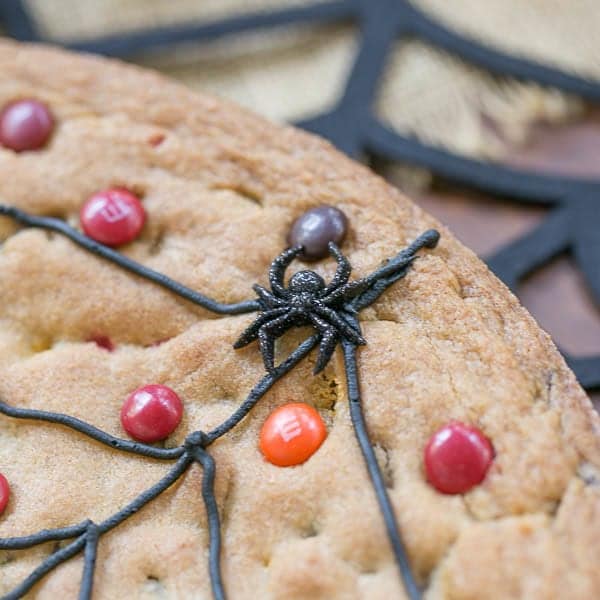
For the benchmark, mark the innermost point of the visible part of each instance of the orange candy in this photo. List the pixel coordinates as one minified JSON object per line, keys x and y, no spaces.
{"x":292,"y":434}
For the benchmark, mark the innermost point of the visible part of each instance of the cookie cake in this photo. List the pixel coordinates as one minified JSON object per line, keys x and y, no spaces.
{"x":236,"y":364}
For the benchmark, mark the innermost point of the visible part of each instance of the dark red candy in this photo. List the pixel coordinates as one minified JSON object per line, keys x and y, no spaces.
{"x":4,"y":493}
{"x":102,"y":341}
{"x":316,"y":228}
{"x":25,"y":125}
{"x":151,"y":413}
{"x":113,"y":217}
{"x":457,"y":457}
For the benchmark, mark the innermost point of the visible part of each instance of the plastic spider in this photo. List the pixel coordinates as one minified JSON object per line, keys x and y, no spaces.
{"x":306,"y":301}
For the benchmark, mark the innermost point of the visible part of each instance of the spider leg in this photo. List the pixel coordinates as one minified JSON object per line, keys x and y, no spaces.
{"x":251,"y":332}
{"x":267,"y":334}
{"x":278,"y":267}
{"x":375,"y":290}
{"x":404,"y":258}
{"x":348,"y":331}
{"x":269,"y":299}
{"x":393,"y":270}
{"x":346,"y":292}
{"x":329,"y":340}
{"x":342,"y":273}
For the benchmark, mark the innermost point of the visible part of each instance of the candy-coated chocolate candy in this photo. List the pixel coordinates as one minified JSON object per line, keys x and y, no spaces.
{"x":292,"y":434}
{"x":457,"y":457}
{"x":316,"y":228}
{"x":151,"y":413}
{"x":113,"y":217}
{"x":4,"y":493}
{"x":25,"y":125}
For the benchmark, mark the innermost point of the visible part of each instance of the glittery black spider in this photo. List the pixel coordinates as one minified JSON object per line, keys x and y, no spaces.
{"x":306,"y":301}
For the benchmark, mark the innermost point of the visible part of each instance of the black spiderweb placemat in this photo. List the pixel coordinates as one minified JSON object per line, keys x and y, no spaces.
{"x":573,"y":221}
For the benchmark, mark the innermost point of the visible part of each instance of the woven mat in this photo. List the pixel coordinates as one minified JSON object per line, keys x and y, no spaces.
{"x":296,"y":72}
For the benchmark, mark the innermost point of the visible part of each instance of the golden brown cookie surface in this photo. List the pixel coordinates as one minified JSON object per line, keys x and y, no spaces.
{"x":221,"y":189}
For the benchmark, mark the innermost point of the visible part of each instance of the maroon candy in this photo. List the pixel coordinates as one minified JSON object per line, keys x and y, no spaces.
{"x":25,"y":125}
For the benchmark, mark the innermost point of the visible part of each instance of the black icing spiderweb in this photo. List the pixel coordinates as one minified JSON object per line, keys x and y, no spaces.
{"x":574,"y":220}
{"x":85,"y":536}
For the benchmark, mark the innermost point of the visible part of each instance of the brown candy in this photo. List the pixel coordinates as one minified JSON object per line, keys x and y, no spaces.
{"x":316,"y":228}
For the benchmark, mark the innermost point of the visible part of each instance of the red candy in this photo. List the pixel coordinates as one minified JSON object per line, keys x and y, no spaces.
{"x":113,"y":217}
{"x":102,"y":341}
{"x":292,"y":434}
{"x":4,"y":493}
{"x":25,"y":125}
{"x":457,"y":458}
{"x":151,"y":413}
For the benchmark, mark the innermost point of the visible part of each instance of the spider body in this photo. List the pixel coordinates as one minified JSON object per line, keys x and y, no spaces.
{"x":307,"y":300}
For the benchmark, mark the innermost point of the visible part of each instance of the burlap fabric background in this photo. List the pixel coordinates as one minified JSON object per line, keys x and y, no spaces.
{"x":296,"y":72}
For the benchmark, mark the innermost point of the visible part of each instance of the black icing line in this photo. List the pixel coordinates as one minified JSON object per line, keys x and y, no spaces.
{"x":263,"y":386}
{"x":46,"y":535}
{"x":366,"y":448}
{"x":92,"y":432}
{"x":133,"y":507}
{"x":60,"y":226}
{"x":89,"y":561}
{"x":214,"y":522}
